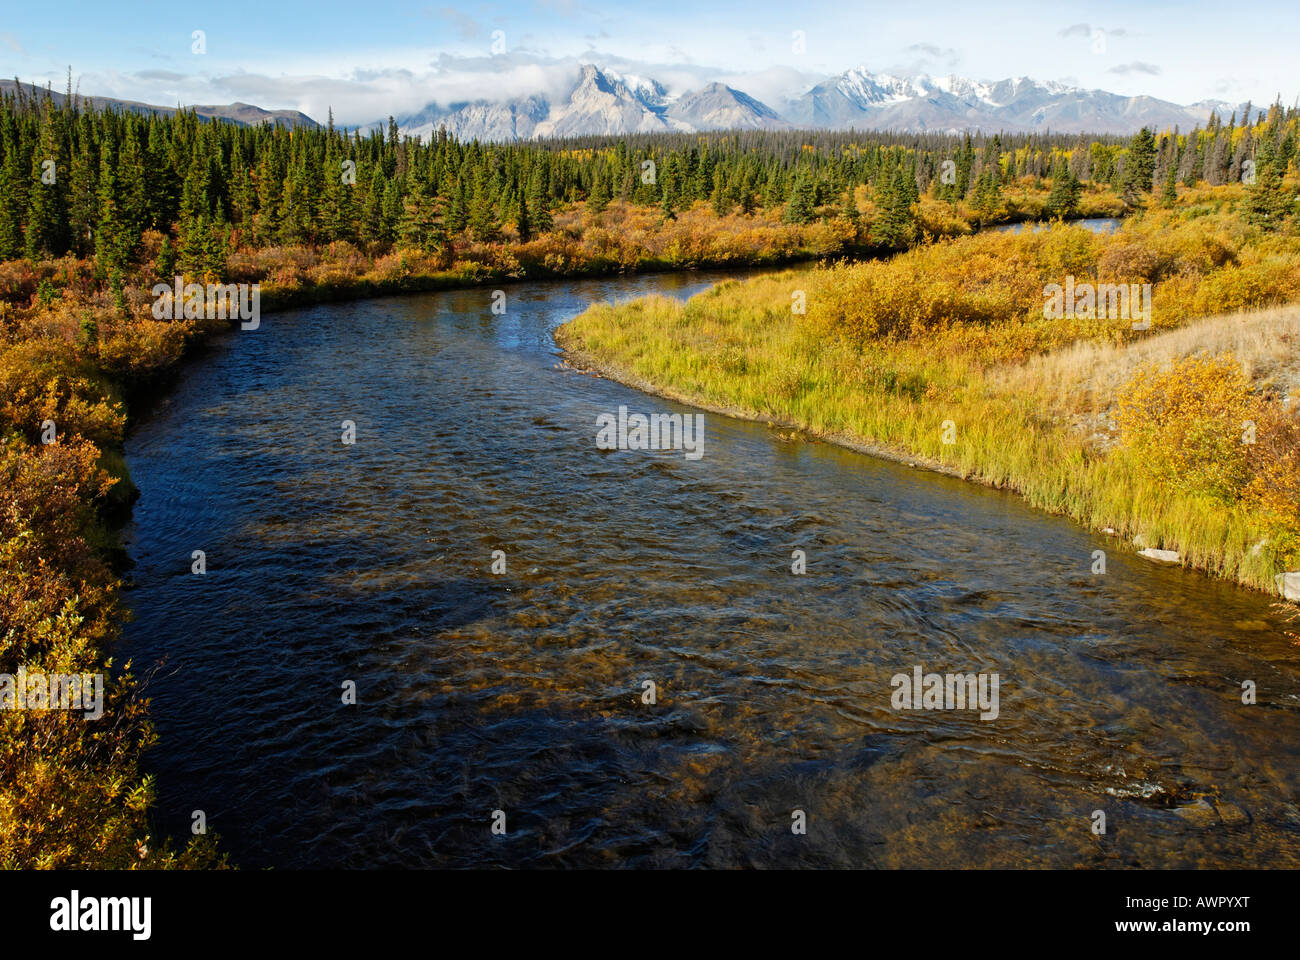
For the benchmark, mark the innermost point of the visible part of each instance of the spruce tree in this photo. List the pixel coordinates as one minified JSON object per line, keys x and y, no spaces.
{"x":523,"y":223}
{"x":12,"y":207}
{"x":83,"y":201}
{"x":421,"y":226}
{"x":718,"y":198}
{"x":1140,"y":162}
{"x":390,"y":211}
{"x":46,"y":213}
{"x":600,"y":195}
{"x":851,"y":208}
{"x":112,"y":242}
{"x":895,"y":225}
{"x":162,"y":187}
{"x":131,"y":183}
{"x":1169,"y":194}
{"x":800,"y":209}
{"x":484,"y":224}
{"x":458,"y":211}
{"x":1063,"y":201}
{"x":538,"y":201}
{"x":1267,"y":201}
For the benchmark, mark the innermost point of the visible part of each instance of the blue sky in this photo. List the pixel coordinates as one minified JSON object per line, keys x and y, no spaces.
{"x":369,"y":58}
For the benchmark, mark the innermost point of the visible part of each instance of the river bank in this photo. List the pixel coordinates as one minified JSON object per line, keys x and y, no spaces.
{"x":1008,"y":401}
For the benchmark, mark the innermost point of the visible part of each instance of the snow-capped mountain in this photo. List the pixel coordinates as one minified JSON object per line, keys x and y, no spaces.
{"x":719,"y":107}
{"x":602,"y":102}
{"x":862,"y":100}
{"x":507,"y":121}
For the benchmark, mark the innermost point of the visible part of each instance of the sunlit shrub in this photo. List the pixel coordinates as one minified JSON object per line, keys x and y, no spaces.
{"x":1133,"y":262}
{"x":1274,"y":465}
{"x":1187,"y":423}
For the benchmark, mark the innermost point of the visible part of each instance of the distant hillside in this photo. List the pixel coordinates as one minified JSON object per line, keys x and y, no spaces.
{"x":244,"y":114}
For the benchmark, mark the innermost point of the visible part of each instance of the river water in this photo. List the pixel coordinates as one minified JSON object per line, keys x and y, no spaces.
{"x":523,"y":692}
{"x":1093,"y":224}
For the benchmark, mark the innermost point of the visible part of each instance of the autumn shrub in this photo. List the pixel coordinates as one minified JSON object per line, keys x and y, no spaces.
{"x":332,"y":276}
{"x":937,"y":219}
{"x":1132,"y":262}
{"x":993,"y":285}
{"x":36,"y":390}
{"x":141,"y":347}
{"x":1188,"y":423}
{"x":71,"y":794}
{"x":1274,"y":487}
{"x":1255,"y":282}
{"x":18,"y":281}
{"x":978,"y":281}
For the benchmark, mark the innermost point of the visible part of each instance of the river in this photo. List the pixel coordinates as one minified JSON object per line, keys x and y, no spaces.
{"x":1092,"y":224}
{"x":523,"y":692}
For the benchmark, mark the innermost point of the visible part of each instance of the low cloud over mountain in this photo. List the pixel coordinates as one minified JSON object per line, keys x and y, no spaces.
{"x":603,"y":102}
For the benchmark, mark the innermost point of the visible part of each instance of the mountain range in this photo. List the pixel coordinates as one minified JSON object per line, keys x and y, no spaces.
{"x":602,"y":102}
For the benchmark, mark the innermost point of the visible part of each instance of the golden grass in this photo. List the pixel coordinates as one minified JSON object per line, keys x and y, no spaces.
{"x":967,"y":352}
{"x":1086,"y":375}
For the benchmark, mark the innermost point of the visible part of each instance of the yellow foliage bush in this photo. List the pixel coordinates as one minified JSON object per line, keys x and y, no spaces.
{"x":1196,"y":266}
{"x":1191,"y":423}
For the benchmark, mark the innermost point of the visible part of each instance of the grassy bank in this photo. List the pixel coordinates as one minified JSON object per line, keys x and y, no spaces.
{"x":943,"y":356}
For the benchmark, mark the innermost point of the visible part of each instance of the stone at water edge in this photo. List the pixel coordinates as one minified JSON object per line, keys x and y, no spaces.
{"x":1288,"y":584}
{"x":1231,"y":814}
{"x":1198,"y":814}
{"x":1164,"y":556}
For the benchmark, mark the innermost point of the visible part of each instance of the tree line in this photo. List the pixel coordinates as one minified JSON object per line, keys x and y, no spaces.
{"x":81,"y":181}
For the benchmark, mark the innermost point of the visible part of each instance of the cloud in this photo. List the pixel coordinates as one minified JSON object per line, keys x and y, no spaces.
{"x":164,"y":76}
{"x":466,"y":26}
{"x":929,"y":55}
{"x":772,"y":86}
{"x":366,"y":96}
{"x":363,"y":95}
{"x":1137,"y":66}
{"x":1086,"y":30}
{"x":930,"y":50}
{"x":10,"y":41}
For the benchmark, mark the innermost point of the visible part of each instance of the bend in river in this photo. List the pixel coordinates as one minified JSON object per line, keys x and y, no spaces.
{"x":523,"y":692}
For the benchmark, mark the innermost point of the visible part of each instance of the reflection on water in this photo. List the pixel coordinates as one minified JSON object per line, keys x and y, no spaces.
{"x":523,"y":692}
{"x":1095,"y":224}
